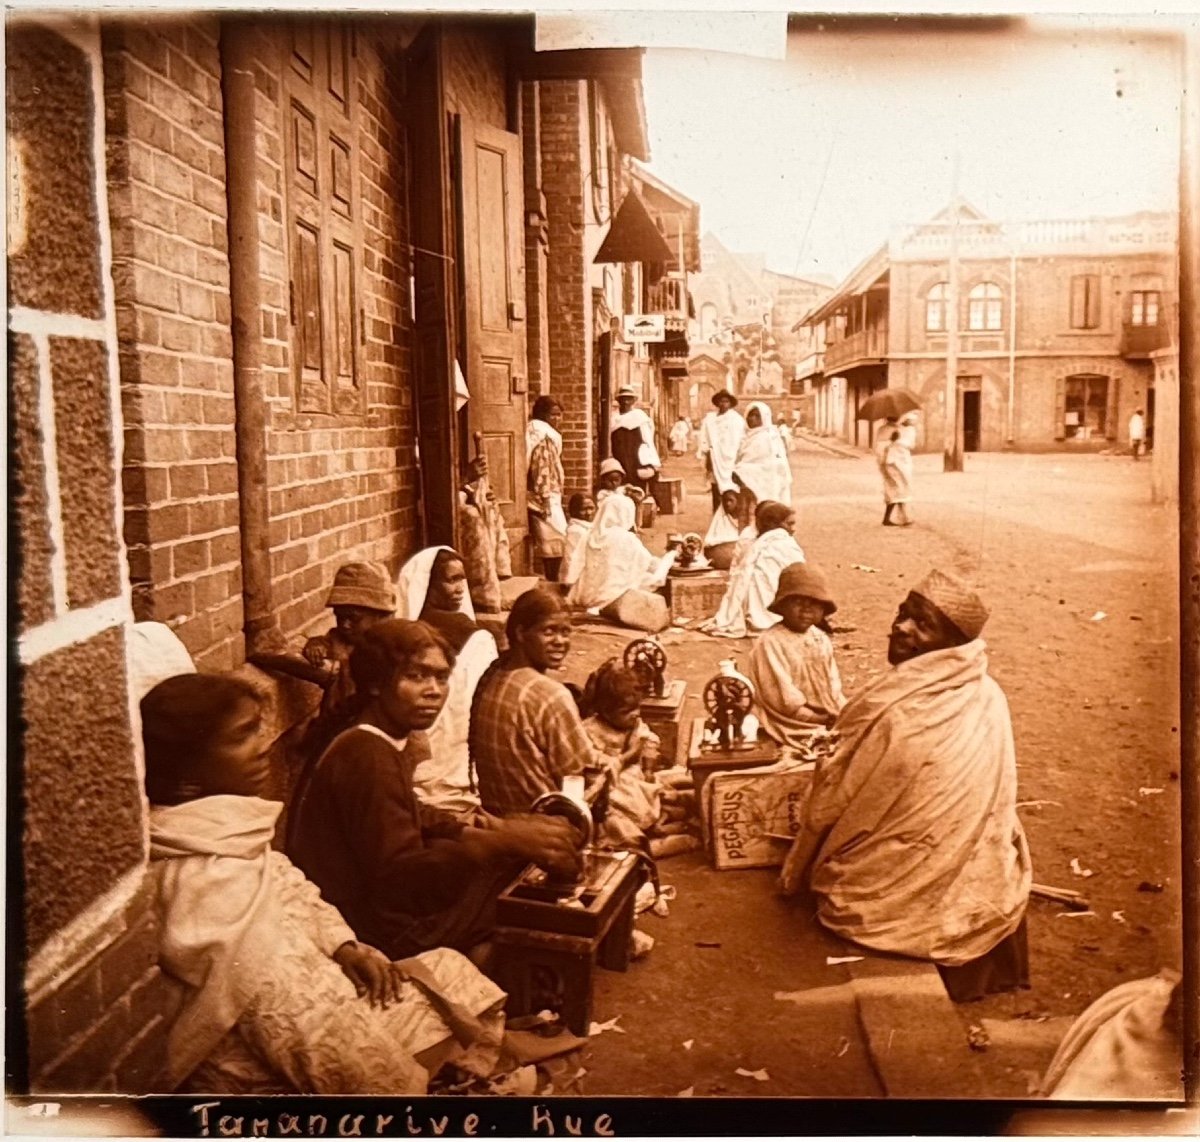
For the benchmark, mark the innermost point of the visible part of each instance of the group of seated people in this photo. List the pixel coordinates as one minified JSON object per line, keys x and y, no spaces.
{"x":352,"y":964}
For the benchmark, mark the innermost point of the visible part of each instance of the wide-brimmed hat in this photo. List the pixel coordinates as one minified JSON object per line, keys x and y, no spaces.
{"x":626,"y":391}
{"x":803,"y":579}
{"x":727,"y":395}
{"x":363,"y":585}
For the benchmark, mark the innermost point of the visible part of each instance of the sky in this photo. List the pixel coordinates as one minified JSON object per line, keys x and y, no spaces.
{"x":813,"y":160}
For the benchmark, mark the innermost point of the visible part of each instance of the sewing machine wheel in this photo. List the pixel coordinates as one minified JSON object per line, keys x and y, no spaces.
{"x":647,"y":660}
{"x":727,"y":698}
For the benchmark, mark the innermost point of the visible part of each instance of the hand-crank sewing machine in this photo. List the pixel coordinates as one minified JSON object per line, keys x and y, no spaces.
{"x":554,"y":928}
{"x":728,"y":737}
{"x":662,"y":706}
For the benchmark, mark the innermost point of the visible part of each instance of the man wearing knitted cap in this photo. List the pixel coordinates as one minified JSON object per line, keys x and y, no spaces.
{"x":911,"y":841}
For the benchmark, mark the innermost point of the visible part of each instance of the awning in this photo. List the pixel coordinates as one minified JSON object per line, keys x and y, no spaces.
{"x":633,"y":236}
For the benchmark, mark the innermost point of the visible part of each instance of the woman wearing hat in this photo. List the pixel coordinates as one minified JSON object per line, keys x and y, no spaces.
{"x":792,"y":666}
{"x":631,"y":439}
{"x":720,"y":434}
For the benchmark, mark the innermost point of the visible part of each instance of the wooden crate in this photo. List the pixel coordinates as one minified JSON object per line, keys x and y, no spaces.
{"x":695,"y":596}
{"x":751,"y":813}
{"x":705,"y":762}
{"x":668,"y":494}
{"x":663,"y":715}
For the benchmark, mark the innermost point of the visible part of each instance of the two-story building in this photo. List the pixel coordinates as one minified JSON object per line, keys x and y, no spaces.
{"x":1056,"y":322}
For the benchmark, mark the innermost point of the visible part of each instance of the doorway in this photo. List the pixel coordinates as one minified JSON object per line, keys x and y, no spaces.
{"x":971,"y":419}
{"x":1150,"y":419}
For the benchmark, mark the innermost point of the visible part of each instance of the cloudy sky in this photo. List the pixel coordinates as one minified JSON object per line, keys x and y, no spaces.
{"x":814,"y":159}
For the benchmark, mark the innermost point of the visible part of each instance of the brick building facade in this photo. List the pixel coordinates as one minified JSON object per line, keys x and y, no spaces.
{"x":1057,"y":323}
{"x":247,"y":259}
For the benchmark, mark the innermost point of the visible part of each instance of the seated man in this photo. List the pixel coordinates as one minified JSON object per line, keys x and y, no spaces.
{"x":406,"y":880}
{"x":911,"y":841}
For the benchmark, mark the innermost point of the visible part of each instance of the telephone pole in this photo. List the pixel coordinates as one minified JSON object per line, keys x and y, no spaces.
{"x":952,"y":460}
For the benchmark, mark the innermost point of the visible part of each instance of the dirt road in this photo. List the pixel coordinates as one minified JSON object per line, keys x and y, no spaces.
{"x":1079,"y":570}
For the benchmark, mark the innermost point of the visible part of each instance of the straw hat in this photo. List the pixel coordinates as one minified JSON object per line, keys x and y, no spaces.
{"x":363,"y":585}
{"x":611,"y":464}
{"x":803,"y":579}
{"x":626,"y":391}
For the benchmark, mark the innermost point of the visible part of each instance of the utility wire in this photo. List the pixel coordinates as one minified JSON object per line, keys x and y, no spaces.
{"x":816,"y":203}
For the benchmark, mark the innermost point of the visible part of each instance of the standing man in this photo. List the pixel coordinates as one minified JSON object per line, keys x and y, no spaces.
{"x":911,"y":841}
{"x":721,"y":433}
{"x":631,"y":440}
{"x":1137,"y":432}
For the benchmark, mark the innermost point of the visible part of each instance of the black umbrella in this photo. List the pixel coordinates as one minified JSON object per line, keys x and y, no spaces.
{"x":889,"y":404}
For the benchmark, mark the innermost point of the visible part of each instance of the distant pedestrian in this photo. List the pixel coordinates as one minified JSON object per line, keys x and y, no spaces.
{"x":681,"y":435}
{"x":632,"y":440}
{"x":720,"y":434}
{"x":895,"y":464}
{"x":785,"y":434}
{"x":1137,"y":432}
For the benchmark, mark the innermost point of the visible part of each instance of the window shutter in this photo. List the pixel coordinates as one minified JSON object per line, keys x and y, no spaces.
{"x":1060,"y":409}
{"x":1079,"y":300}
{"x":1110,"y":413}
{"x":1092,"y":306}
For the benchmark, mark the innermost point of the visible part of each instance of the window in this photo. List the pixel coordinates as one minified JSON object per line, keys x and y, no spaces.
{"x":1085,"y":301}
{"x":324,"y":225}
{"x":983,"y":307}
{"x":1144,"y":306}
{"x":601,"y":179}
{"x":935,"y":308}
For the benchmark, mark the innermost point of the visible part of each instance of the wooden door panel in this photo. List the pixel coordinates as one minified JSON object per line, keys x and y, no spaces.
{"x":490,"y":210}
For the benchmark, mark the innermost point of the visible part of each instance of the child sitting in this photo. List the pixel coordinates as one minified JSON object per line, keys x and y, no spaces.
{"x":792,"y":666}
{"x":627,"y":751}
{"x":612,"y":477}
{"x":278,"y":995}
{"x":720,"y":541}
{"x":582,"y":510}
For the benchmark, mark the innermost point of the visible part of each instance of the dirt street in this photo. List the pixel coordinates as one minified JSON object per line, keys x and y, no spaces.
{"x":1080,"y":571}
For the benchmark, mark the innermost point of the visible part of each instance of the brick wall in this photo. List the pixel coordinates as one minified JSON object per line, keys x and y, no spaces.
{"x":537,"y":238}
{"x":86,"y":1002}
{"x":341,"y":488}
{"x":166,"y":168}
{"x":563,"y":105}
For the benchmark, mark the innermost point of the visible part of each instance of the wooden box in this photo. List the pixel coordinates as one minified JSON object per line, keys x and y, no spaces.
{"x":751,"y":813}
{"x":547,"y":951}
{"x":703,"y":763}
{"x":664,"y":715}
{"x":696,"y":596}
{"x":668,"y":494}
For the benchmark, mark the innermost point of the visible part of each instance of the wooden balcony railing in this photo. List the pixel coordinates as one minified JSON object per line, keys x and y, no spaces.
{"x":865,"y":345}
{"x":1142,"y":340}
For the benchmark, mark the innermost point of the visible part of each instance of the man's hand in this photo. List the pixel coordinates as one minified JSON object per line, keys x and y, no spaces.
{"x":371,"y":972}
{"x":477,"y":468}
{"x":317,"y":650}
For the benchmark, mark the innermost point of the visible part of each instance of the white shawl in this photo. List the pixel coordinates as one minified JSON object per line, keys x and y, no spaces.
{"x":720,"y":435}
{"x":638,"y":418}
{"x":722,"y":528}
{"x":443,"y":779}
{"x":762,"y":463}
{"x":615,"y":560}
{"x":217,"y":912}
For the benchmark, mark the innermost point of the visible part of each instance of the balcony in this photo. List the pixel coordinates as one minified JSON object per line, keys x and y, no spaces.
{"x":669,"y":297}
{"x":1139,"y":341}
{"x":866,"y":347}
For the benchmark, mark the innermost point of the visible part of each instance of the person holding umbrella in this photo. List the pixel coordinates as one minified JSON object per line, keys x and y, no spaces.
{"x":893,"y":448}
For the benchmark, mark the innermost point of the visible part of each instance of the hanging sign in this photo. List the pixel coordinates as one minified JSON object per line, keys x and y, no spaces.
{"x":646,"y":327}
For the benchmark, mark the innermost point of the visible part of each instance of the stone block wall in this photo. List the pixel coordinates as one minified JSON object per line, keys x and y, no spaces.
{"x":86,"y":1002}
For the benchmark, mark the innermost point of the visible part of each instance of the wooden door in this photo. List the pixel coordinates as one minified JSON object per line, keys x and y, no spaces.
{"x":493,"y":285}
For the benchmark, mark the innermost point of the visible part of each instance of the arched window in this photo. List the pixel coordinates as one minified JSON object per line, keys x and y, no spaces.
{"x":984,"y":308}
{"x":935,"y":308}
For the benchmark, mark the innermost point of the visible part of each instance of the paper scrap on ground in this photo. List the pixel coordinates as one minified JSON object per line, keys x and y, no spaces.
{"x":1099,"y":616}
{"x":687,"y":1092}
{"x":842,"y":959}
{"x":1078,"y":869}
{"x":760,"y":1075}
{"x":864,"y":567}
{"x":1077,"y":913}
{"x":843,"y":1047}
{"x":1119,"y":915}
{"x":1147,"y":791}
{"x":687,"y":1044}
{"x":609,"y":1025}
